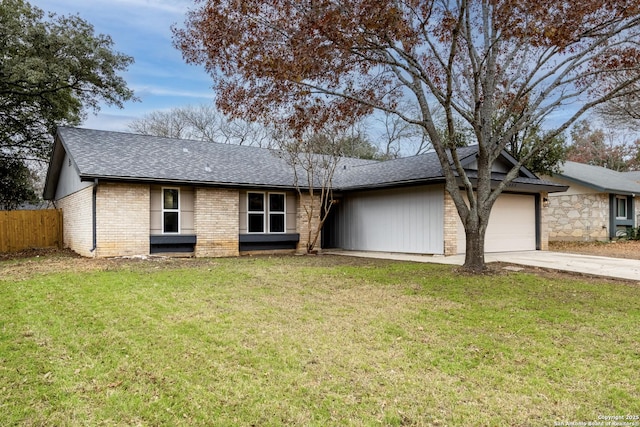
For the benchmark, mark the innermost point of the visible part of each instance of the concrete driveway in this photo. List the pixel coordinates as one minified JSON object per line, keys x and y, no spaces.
{"x":628,"y":269}
{"x":588,"y":264}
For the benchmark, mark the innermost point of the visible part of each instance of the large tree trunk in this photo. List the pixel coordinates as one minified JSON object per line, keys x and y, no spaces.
{"x":475,"y":229}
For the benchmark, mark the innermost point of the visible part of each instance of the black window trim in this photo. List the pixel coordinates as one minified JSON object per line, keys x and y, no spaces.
{"x":170,"y":210}
{"x":266,"y":212}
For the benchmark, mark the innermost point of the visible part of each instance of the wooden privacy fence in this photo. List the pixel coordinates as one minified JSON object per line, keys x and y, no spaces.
{"x":30,"y":229}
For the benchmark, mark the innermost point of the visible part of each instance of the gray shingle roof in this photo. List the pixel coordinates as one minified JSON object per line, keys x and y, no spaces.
{"x":599,"y":178}
{"x":133,"y":157}
{"x":106,"y":154}
{"x":425,"y":167}
{"x":633,"y":175}
{"x":422,"y":169}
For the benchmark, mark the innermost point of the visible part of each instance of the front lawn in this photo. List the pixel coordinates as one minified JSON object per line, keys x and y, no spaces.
{"x":324,"y":340}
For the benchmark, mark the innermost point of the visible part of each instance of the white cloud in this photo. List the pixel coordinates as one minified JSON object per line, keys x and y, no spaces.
{"x":173,"y":7}
{"x":176,"y":7}
{"x":143,"y":91}
{"x":142,"y":29}
{"x":122,"y":18}
{"x":111,"y":122}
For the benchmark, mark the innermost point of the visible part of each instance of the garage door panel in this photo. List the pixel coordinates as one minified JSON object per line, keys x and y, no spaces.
{"x":512,"y":225}
{"x":401,"y":220}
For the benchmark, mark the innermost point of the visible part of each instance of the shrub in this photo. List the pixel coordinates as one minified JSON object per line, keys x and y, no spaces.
{"x":630,"y":234}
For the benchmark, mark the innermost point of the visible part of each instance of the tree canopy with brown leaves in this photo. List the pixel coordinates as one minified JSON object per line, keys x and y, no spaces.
{"x":497,"y":66}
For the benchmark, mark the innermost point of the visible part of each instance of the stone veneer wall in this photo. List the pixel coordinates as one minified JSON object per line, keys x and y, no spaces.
{"x":123,"y":220}
{"x":77,"y":221}
{"x":302,"y":222}
{"x":216,"y":214}
{"x":578,"y":217}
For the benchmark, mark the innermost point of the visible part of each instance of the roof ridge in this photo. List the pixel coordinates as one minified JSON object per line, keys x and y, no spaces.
{"x":160,"y":137}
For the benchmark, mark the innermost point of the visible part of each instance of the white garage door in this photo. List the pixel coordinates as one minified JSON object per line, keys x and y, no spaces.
{"x":512,"y":225}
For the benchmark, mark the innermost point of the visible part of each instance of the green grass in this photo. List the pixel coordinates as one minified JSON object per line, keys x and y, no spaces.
{"x":310,"y":341}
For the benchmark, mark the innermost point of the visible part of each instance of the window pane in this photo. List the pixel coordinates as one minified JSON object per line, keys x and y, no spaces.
{"x":171,"y":222}
{"x":256,"y":202}
{"x":276,"y":223}
{"x":256,"y":223}
{"x":170,"y":199}
{"x":276,"y":202}
{"x":622,"y":207}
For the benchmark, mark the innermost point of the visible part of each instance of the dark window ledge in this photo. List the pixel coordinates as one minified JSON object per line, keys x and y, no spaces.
{"x":172,"y":239}
{"x":172,"y":243}
{"x":262,"y":238}
{"x":262,"y":242}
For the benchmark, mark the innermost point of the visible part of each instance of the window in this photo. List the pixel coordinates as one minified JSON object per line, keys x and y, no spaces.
{"x":276,"y":213}
{"x":170,"y":210}
{"x":266,"y":217}
{"x":621,"y":207}
{"x":256,"y":212}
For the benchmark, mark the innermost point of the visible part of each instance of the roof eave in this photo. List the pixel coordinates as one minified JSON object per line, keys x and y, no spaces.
{"x":527,"y":187}
{"x":514,"y":161}
{"x":516,"y":186}
{"x":547,"y":188}
{"x":391,"y":184}
{"x":54,"y":169}
{"x":178,"y":182}
{"x":468,"y":159}
{"x":598,"y":188}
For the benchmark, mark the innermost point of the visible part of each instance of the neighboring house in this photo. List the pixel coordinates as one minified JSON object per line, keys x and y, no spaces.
{"x":600,"y":203}
{"x":633,"y":176}
{"x":126,"y":194}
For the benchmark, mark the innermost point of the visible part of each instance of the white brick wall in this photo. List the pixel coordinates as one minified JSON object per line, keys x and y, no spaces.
{"x":216,"y":219}
{"x":123,"y":220}
{"x":450,"y":225}
{"x":77,"y":221}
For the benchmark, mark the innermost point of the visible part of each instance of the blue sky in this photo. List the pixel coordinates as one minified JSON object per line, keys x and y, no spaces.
{"x":160,"y":77}
{"x":141,"y":28}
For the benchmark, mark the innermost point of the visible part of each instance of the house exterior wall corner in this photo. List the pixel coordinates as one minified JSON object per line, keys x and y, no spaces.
{"x":77,"y":221}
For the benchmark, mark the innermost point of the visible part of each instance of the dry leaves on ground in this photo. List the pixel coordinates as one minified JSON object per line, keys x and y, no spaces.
{"x":25,"y":264}
{"x":629,"y":249}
